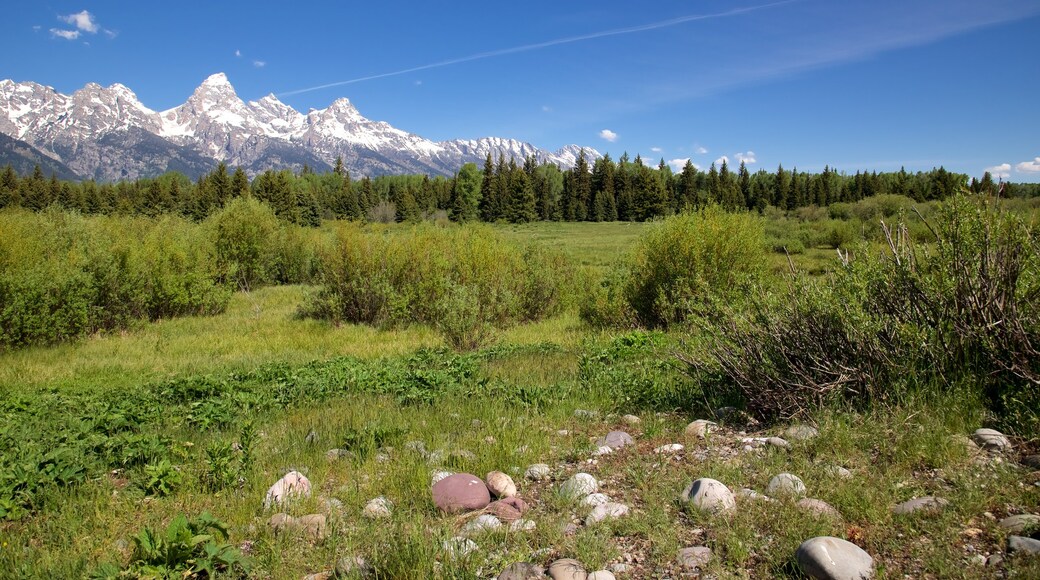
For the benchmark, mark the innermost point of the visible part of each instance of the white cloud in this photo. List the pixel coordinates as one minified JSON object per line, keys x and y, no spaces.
{"x":66,"y":34}
{"x":747,"y":158}
{"x":238,"y":53}
{"x":678,"y":164}
{"x":722,"y":159}
{"x":702,"y":151}
{"x":36,"y":28}
{"x":656,"y":149}
{"x":608,"y":135}
{"x":82,"y":20}
{"x":1002,"y":170}
{"x":259,"y":63}
{"x":1028,"y":166}
{"x":546,"y":109}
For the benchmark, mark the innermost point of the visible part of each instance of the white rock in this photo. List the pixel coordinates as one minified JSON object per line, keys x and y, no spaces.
{"x":377,"y":508}
{"x":922,"y":504}
{"x":991,"y":440}
{"x":578,"y":486}
{"x":609,"y":510}
{"x":500,"y":484}
{"x":827,"y":558}
{"x":786,"y":484}
{"x":601,"y":575}
{"x":522,"y":525}
{"x":537,"y":471}
{"x":480,"y":524}
{"x":710,"y":495}
{"x":596,"y":499}
{"x":669,"y":448}
{"x":603,"y":450}
{"x":459,"y":547}
{"x":292,"y":485}
{"x":700,"y":428}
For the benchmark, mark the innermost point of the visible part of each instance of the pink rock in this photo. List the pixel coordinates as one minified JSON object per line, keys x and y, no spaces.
{"x":508,"y":509}
{"x":461,"y":492}
{"x":293,"y":484}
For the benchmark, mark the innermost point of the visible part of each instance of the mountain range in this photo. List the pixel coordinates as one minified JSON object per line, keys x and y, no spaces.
{"x":107,"y":134}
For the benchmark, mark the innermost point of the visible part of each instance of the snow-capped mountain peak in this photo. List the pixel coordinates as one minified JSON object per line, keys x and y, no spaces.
{"x":87,"y":129}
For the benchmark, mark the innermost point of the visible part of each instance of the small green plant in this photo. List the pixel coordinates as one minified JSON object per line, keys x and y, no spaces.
{"x":161,"y":478}
{"x":186,"y":549}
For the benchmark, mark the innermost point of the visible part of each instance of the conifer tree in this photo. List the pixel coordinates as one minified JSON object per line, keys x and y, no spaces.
{"x":239,"y":183}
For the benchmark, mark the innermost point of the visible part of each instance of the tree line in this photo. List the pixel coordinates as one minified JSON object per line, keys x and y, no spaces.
{"x":605,"y":190}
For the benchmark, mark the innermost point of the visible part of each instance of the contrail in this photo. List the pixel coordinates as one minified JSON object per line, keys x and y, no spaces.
{"x":546,"y":44}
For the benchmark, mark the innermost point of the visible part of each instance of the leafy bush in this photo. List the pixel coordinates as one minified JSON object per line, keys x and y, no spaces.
{"x":186,"y":549}
{"x":244,"y":234}
{"x":969,"y":313}
{"x":465,"y":281}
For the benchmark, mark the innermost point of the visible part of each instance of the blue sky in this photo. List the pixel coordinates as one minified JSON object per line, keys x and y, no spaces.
{"x":858,"y":85}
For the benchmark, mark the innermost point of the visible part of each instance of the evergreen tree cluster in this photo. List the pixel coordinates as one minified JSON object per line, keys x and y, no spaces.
{"x":605,"y":190}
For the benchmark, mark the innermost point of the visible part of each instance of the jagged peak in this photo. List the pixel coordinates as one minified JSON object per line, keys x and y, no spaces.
{"x":216,"y":80}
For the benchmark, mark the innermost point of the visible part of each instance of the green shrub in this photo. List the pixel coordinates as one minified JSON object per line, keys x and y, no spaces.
{"x":244,"y":235}
{"x":689,"y":261}
{"x":463,"y":280}
{"x":965,"y":313}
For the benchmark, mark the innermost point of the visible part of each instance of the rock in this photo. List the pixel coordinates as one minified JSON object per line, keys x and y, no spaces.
{"x":331,"y":505}
{"x":709,"y":495}
{"x":459,"y":547}
{"x":800,"y":432}
{"x":313,"y":525}
{"x":994,"y":560}
{"x":1023,"y":545}
{"x":1022,"y":523}
{"x":700,"y":428}
{"x":926,"y":503}
{"x":620,"y":568}
{"x":480,"y":524}
{"x":563,"y":432}
{"x":694,"y":558}
{"x":508,"y":509}
{"x":603,"y":450}
{"x":280,"y":522}
{"x":606,"y":511}
{"x":778,"y":442}
{"x":991,"y":440}
{"x":596,"y":499}
{"x":1032,"y":461}
{"x":500,"y":484}
{"x":615,"y":440}
{"x":439,"y":475}
{"x":522,"y":571}
{"x":601,"y":575}
{"x":579,"y":485}
{"x":292,"y":485}
{"x":522,"y":525}
{"x":348,"y":566}
{"x":567,"y":569}
{"x":828,"y":558}
{"x":631,"y":419}
{"x":786,"y":484}
{"x":839,"y":472}
{"x":818,"y":507}
{"x":965,"y":443}
{"x":460,"y":493}
{"x":312,"y":437}
{"x":670,"y":448}
{"x":537,"y":472}
{"x":584,"y":414}
{"x":752,"y":494}
{"x":377,"y":508}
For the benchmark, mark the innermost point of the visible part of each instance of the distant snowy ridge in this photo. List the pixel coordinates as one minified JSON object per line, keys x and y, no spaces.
{"x":108,"y":134}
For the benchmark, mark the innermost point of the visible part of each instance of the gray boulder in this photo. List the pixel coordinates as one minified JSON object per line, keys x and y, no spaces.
{"x":1022,"y":523}
{"x":1023,"y":545}
{"x":568,"y":569}
{"x":828,"y":558}
{"x":991,"y":440}
{"x":607,"y":511}
{"x":579,"y":485}
{"x":695,"y":558}
{"x":922,"y":504}
{"x":786,"y":484}
{"x":615,"y":440}
{"x":710,"y":495}
{"x":522,"y":571}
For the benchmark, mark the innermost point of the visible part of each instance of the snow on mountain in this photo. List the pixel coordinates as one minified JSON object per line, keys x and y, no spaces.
{"x":87,"y":130}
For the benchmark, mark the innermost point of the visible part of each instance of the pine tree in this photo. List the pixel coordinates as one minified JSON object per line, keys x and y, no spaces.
{"x":339,"y":169}
{"x":466,"y":194}
{"x":487,"y":191}
{"x":744,"y":186}
{"x":8,"y":187}
{"x":521,"y":208}
{"x":582,"y":188}
{"x":239,"y":183}
{"x":687,"y":198}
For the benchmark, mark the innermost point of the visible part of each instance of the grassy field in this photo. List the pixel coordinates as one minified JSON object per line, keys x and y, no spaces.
{"x":232,"y":402}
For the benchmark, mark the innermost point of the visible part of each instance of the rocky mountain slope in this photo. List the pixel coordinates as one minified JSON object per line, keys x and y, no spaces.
{"x":107,"y":134}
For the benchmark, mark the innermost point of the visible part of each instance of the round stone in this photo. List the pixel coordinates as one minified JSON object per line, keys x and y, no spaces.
{"x":694,"y":558}
{"x":700,"y":428}
{"x":991,"y":440}
{"x":800,"y":432}
{"x":522,"y":571}
{"x":501,"y":484}
{"x":818,"y":507}
{"x":537,"y":471}
{"x":606,"y":511}
{"x":1022,"y":523}
{"x":786,"y":484}
{"x":567,"y":569}
{"x":926,"y":503}
{"x":461,"y":492}
{"x":377,"y":508}
{"x":615,"y":440}
{"x":601,"y":575}
{"x":709,"y":495}
{"x":291,"y":486}
{"x":828,"y":558}
{"x":580,"y":485}
{"x":480,"y":524}
{"x":595,"y":499}
{"x":631,"y":419}
{"x":1023,"y":545}
{"x":507,"y":509}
